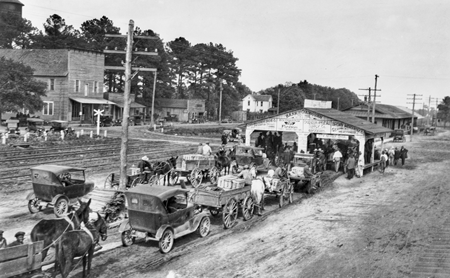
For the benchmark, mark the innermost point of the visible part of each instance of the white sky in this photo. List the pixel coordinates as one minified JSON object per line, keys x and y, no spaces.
{"x":327,"y":42}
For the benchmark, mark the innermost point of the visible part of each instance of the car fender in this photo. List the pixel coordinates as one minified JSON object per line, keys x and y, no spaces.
{"x":161,"y":231}
{"x":198,"y":218}
{"x":31,"y":196}
{"x":57,"y":197}
{"x":125,"y":226}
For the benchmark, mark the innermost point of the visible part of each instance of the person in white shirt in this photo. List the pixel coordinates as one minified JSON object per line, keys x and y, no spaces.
{"x":360,"y":165}
{"x":207,"y":150}
{"x":337,"y":157}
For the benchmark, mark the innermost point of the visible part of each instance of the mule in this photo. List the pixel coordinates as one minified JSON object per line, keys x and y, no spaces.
{"x":223,"y":162}
{"x":50,"y":230}
{"x":80,"y":243}
{"x":165,"y":168}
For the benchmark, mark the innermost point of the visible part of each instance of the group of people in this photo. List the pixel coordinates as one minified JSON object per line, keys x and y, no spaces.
{"x":20,"y":237}
{"x":204,"y":149}
{"x":392,"y":156}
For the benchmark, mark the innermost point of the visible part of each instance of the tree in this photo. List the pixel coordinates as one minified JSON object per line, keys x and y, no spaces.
{"x":15,"y":32}
{"x":444,"y":110}
{"x":18,"y":88}
{"x":180,"y":52}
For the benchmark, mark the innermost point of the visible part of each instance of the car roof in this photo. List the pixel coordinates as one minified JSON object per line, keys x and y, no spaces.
{"x":57,"y":169}
{"x":35,"y":120}
{"x":58,"y":121}
{"x":161,"y":192}
{"x":249,"y":147}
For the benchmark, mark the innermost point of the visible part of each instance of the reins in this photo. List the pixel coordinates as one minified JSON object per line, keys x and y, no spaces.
{"x":56,"y":240}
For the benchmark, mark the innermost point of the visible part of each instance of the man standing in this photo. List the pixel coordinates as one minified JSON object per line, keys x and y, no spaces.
{"x":207,"y":150}
{"x":351,"y":163}
{"x":200,"y":148}
{"x":145,"y":169}
{"x":337,"y":156}
{"x":20,"y":236}
{"x":403,"y":154}
{"x":3,"y":243}
{"x":224,"y":138}
{"x":360,"y":165}
{"x":396,"y":155}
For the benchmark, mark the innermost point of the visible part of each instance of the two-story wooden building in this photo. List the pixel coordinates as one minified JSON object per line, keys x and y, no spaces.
{"x":74,"y":79}
{"x":257,"y":103}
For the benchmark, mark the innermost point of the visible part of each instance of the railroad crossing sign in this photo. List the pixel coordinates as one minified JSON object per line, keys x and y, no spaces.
{"x":98,"y":113}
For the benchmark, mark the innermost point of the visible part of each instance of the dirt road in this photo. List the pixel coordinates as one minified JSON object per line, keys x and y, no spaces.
{"x":377,"y":226}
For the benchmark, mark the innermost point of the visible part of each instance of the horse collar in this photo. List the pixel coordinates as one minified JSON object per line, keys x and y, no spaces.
{"x":84,"y":228}
{"x":65,"y":217}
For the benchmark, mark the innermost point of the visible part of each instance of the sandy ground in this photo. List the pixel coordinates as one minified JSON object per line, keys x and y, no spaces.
{"x":370,"y":227}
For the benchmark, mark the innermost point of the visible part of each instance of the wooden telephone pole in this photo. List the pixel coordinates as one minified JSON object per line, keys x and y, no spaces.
{"x":414,"y":99}
{"x":126,"y":95}
{"x":374,"y":99}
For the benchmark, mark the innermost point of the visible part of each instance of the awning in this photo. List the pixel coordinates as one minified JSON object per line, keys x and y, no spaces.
{"x":132,"y":105}
{"x":86,"y":100}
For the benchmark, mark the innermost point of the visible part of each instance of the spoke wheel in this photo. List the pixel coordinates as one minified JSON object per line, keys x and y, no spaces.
{"x":166,"y":241}
{"x":214,"y":212}
{"x":33,"y":205}
{"x":248,"y":207}
{"x":61,"y":207}
{"x":135,"y":182}
{"x":127,"y":239}
{"x":110,"y":182}
{"x":153,"y":180}
{"x":204,"y":227}
{"x":196,"y":177}
{"x":173,"y":177}
{"x":230,"y":213}
{"x":291,"y":193}
{"x":214,"y":174}
{"x":283,"y":195}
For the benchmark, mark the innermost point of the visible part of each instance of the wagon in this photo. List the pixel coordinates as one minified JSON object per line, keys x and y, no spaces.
{"x":296,"y":174}
{"x":196,"y":167}
{"x":218,"y":200}
{"x":162,"y":214}
{"x":282,"y":188}
{"x":112,"y":181}
{"x":57,"y":186}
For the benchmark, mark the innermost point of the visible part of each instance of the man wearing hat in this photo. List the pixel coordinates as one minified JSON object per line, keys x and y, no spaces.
{"x":145,"y":168}
{"x":2,"y":240}
{"x":246,"y":174}
{"x":207,"y":149}
{"x":20,"y":236}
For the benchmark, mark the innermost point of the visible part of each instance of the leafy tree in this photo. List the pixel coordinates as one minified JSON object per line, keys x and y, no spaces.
{"x":15,"y":32}
{"x":180,"y":52}
{"x":444,"y":110}
{"x":58,"y":35}
{"x":18,"y":89}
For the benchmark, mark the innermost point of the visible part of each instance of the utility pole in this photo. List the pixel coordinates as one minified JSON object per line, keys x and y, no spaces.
{"x":374,"y":99}
{"x":414,"y":99}
{"x":368,"y":100}
{"x":152,"y":120}
{"x":126,"y":95}
{"x":220,"y":101}
{"x":338,"y":103}
{"x":278,"y":104}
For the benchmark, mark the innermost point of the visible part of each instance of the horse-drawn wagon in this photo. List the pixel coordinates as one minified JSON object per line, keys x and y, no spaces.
{"x":226,"y":199}
{"x":57,"y":186}
{"x":161,"y":214}
{"x":196,"y":167}
{"x":297,"y":175}
{"x":278,"y":184}
{"x":112,"y":181}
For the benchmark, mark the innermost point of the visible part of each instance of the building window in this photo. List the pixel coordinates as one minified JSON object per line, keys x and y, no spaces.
{"x":261,"y":103}
{"x":86,"y":88}
{"x":77,"y":86}
{"x":95,"y":87}
{"x":51,"y":85}
{"x":249,"y":103}
{"x":48,"y":108}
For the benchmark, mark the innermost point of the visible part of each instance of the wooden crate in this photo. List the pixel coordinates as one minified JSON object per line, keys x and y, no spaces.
{"x":20,"y":259}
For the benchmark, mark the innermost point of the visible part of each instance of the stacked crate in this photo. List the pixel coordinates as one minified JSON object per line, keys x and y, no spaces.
{"x":230,"y":182}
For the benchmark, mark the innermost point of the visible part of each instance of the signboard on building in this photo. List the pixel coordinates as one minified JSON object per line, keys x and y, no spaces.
{"x":332,"y":136}
{"x":309,"y":103}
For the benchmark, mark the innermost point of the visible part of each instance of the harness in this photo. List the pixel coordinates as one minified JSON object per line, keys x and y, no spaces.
{"x":65,"y":217}
{"x":86,"y":230}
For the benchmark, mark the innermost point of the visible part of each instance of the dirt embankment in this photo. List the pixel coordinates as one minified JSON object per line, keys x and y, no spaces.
{"x":376,"y":226}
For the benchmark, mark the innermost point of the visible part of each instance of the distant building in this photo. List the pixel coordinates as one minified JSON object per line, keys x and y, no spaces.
{"x":184,"y":109}
{"x":14,"y":6}
{"x":257,"y":103}
{"x":74,"y":81}
{"x":389,"y":116}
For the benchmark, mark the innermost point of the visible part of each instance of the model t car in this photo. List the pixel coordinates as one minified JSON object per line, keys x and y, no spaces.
{"x":247,"y":155}
{"x":297,"y":175}
{"x":35,"y":125}
{"x":162,"y":214}
{"x":55,"y":185}
{"x":399,"y":135}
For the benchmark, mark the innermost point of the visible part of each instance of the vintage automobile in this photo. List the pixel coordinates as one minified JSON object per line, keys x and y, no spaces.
{"x":247,"y":155}
{"x":57,"y":125}
{"x":161,"y":213}
{"x":296,"y":173}
{"x":57,"y":186}
{"x":399,"y":135}
{"x":35,"y":125}
{"x":12,"y":126}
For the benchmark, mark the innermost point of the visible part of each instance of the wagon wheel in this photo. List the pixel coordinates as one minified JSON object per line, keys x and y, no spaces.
{"x":153,"y":180}
{"x":196,"y":177}
{"x":214,"y":174}
{"x":173,"y":177}
{"x":33,"y":205}
{"x":230,"y":213}
{"x":166,"y":241}
{"x":291,"y":192}
{"x":110,"y":183}
{"x":135,"y":182}
{"x":127,"y":239}
{"x":61,"y":207}
{"x":214,"y":212}
{"x":284,"y":195}
{"x":248,"y":205}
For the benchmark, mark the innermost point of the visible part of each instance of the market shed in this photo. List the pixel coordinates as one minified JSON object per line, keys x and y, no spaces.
{"x":325,"y":123}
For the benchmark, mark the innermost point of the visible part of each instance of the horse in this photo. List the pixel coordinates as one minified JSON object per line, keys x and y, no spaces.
{"x":80,"y":243}
{"x":223,"y":162}
{"x":164,"y":168}
{"x":50,"y":230}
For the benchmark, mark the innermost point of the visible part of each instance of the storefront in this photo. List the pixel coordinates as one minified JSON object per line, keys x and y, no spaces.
{"x":82,"y":108}
{"x":316,"y":127}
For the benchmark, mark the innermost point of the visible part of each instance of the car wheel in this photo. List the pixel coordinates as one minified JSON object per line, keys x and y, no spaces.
{"x":33,"y":205}
{"x":61,"y":207}
{"x":166,"y":241}
{"x":204,"y":227}
{"x":127,"y":239}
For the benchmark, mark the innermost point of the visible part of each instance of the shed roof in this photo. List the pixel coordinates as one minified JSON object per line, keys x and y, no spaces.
{"x":382,"y":111}
{"x":45,"y":62}
{"x":259,"y":97}
{"x":171,"y":103}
